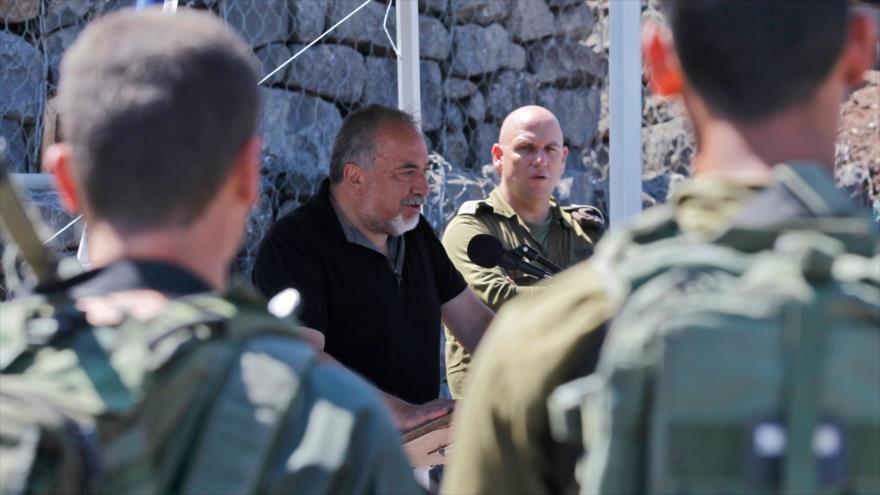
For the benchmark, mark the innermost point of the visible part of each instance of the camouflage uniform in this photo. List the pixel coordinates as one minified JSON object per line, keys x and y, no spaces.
{"x":770,"y":330}
{"x":570,"y":239}
{"x":204,"y":393}
{"x":503,"y":442}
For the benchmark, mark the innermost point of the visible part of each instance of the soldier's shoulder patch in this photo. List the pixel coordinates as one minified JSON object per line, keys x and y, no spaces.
{"x":473,"y":206}
{"x":587,"y":216}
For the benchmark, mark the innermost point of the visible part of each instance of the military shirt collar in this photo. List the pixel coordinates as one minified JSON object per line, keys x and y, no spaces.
{"x":802,"y":197}
{"x":802,"y":190}
{"x":131,"y":274}
{"x":503,"y":208}
{"x":706,"y":204}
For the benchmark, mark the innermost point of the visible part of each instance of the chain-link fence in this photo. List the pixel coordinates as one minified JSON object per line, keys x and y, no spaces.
{"x":480,"y":59}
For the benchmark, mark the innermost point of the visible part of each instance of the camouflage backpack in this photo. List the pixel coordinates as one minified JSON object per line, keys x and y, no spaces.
{"x":750,"y":365}
{"x":187,"y":401}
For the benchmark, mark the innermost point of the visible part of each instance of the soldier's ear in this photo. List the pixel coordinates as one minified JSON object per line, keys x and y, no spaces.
{"x":247,"y":170}
{"x":497,"y":153}
{"x":860,"y":51}
{"x":661,"y":60}
{"x":57,"y":161}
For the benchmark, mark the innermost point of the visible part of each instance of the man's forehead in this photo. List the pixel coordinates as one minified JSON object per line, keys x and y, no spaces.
{"x":397,"y":134}
{"x":402,"y":145}
{"x":530,"y":126}
{"x":543,"y":132}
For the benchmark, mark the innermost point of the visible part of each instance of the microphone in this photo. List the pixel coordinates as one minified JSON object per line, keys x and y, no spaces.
{"x":487,"y":251}
{"x":532,"y":254}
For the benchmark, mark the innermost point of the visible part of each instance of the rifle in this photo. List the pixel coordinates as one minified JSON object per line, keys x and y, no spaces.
{"x":24,"y":227}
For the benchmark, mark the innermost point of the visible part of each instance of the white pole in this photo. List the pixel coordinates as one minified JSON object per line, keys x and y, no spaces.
{"x":169,"y":7}
{"x":409,"y":95}
{"x":625,"y":95}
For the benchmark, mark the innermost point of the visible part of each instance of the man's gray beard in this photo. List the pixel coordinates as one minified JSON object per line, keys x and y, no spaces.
{"x":397,"y":226}
{"x":400,"y":225}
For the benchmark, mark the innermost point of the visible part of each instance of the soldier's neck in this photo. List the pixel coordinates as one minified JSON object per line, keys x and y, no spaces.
{"x":746,"y":152}
{"x":178,"y":247}
{"x":528,"y":209}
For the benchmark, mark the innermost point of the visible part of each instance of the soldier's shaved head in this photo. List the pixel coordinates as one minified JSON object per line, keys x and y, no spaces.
{"x":523,"y":116}
{"x":529,"y":159}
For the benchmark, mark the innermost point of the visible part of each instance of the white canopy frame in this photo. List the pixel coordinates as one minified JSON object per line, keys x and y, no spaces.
{"x":625,"y":111}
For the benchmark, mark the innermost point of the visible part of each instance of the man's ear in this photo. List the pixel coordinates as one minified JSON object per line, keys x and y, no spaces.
{"x":247,"y":170}
{"x":353,"y":175}
{"x":57,"y":161}
{"x":497,"y":154}
{"x":860,"y":52}
{"x":661,"y":60}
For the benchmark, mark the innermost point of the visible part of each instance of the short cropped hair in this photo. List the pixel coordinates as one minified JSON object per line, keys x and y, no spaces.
{"x":752,"y":59}
{"x":356,"y":140}
{"x":156,"y":108}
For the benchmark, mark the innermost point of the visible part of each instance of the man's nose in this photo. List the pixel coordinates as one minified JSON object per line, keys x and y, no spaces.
{"x":540,"y":159}
{"x":420,"y":184}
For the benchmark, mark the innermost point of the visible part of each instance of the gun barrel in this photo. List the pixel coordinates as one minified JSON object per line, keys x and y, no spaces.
{"x":21,"y":227}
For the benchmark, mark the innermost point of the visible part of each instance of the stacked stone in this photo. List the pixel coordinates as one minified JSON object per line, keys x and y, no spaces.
{"x":480,"y":59}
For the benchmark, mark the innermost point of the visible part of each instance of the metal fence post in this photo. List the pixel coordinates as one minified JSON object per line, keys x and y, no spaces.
{"x":625,"y":95}
{"x":409,"y":96}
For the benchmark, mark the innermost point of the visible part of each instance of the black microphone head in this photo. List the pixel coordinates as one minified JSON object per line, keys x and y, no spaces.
{"x":485,"y":250}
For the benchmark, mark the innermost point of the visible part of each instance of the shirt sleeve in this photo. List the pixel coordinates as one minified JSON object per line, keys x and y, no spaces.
{"x":283,"y":263}
{"x":502,"y":438}
{"x":449,"y":281}
{"x":490,"y":284}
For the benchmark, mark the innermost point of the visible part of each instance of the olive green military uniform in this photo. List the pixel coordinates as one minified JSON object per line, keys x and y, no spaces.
{"x":565,"y":242}
{"x":502,"y":438}
{"x":203,"y":393}
{"x":770,"y":327}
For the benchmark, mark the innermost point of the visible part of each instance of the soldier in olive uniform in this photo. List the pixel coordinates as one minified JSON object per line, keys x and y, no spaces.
{"x":529,"y":158}
{"x":144,"y":375}
{"x":747,"y":119}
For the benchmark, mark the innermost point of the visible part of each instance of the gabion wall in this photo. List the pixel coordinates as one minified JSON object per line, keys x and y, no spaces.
{"x":480,"y":59}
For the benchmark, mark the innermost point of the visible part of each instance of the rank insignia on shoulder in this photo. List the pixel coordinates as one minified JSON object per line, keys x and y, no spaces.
{"x":588,"y":217}
{"x":473,"y":206}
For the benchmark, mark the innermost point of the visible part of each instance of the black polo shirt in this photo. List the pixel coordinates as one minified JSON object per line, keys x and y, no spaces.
{"x":382,"y":325}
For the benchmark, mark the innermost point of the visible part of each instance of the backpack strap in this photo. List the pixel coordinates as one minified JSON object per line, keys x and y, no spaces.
{"x":804,"y":342}
{"x":805,"y":333}
{"x":242,"y":411}
{"x":247,"y":415}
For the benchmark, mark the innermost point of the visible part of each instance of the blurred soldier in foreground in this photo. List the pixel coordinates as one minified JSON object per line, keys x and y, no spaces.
{"x":529,"y":159}
{"x":762,"y":87}
{"x":138,"y":376}
{"x":778,"y":316}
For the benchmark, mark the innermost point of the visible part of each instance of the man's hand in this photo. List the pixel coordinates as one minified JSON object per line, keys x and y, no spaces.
{"x":313,"y":337}
{"x":408,"y":416}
